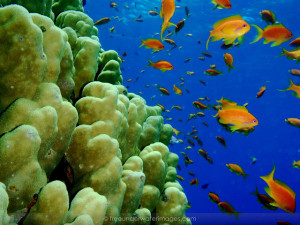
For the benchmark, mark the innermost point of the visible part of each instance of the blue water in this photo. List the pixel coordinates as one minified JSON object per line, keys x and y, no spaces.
{"x":273,"y":140}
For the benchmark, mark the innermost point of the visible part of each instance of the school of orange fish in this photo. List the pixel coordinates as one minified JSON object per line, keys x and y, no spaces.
{"x":230,"y":115}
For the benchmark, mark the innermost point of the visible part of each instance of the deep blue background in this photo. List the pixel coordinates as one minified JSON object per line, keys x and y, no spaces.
{"x":273,"y":141}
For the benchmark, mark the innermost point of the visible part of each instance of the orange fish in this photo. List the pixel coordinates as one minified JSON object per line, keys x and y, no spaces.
{"x":293,"y":87}
{"x":268,"y":16}
{"x":155,"y":44}
{"x":164,"y":91}
{"x":161,"y":64}
{"x":161,"y":106}
{"x":203,"y":153}
{"x":295,"y":43}
{"x":221,"y":140}
{"x":293,"y":121}
{"x":229,"y":29}
{"x":166,"y":12}
{"x":261,"y":91}
{"x":265,"y":200}
{"x":221,"y":4}
{"x":179,"y":177}
{"x":228,"y":59}
{"x":176,"y":107}
{"x":176,"y":131}
{"x":194,"y":182}
{"x":102,"y":21}
{"x":225,"y":101}
{"x":199,"y":105}
{"x":237,"y":169}
{"x":275,"y":33}
{"x":177,"y":90}
{"x":225,"y":207}
{"x":213,"y":197}
{"x":282,"y":194}
{"x":293,"y":54}
{"x":212,"y":72}
{"x":237,"y":118}
{"x":296,"y":164}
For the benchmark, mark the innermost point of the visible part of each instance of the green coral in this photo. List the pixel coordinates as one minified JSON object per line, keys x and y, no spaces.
{"x":109,"y":67}
{"x":4,"y":218}
{"x":20,"y":170}
{"x":134,"y":178}
{"x":64,"y":5}
{"x":51,"y":207}
{"x":22,"y":42}
{"x":119,"y":162}
{"x":78,"y":21}
{"x":42,"y":7}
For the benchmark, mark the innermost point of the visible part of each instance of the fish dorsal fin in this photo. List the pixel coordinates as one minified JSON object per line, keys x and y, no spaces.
{"x":269,"y":177}
{"x":286,"y":187}
{"x":238,"y":107}
{"x":235,"y":17}
{"x":273,"y":26}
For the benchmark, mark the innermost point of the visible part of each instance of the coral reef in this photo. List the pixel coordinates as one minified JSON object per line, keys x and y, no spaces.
{"x":64,"y":112}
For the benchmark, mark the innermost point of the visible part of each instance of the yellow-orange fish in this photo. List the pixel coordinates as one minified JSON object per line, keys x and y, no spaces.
{"x":176,"y":131}
{"x":282,"y":194}
{"x":229,"y":29}
{"x":275,"y":33}
{"x":228,"y":59}
{"x":161,"y":64}
{"x":166,"y":12}
{"x":177,"y":90}
{"x":237,"y":169}
{"x":155,"y":44}
{"x":225,"y":101}
{"x":293,"y":87}
{"x":221,"y":4}
{"x":225,"y":207}
{"x":293,"y":121}
{"x":237,"y":118}
{"x":293,"y":54}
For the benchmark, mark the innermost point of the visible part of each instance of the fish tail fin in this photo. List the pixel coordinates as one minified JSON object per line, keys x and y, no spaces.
{"x":164,"y":27}
{"x":219,"y":101}
{"x":270,"y":176}
{"x":210,"y":35}
{"x":231,"y":67}
{"x":216,"y":4}
{"x":150,"y":63}
{"x":236,"y":214}
{"x":290,"y":87}
{"x":284,"y":51}
{"x":245,"y":175}
{"x":259,"y":34}
{"x":142,"y":43}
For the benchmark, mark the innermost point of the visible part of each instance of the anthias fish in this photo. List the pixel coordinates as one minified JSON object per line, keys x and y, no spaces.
{"x":229,"y":29}
{"x":275,"y":33}
{"x":282,"y":194}
{"x":228,"y":59}
{"x":236,"y":118}
{"x":236,"y":169}
{"x":222,"y":4}
{"x":161,"y":64}
{"x":166,"y":12}
{"x":155,"y":44}
{"x":268,"y":16}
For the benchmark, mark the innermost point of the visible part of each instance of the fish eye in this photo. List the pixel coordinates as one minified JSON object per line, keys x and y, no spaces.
{"x":244,"y":25}
{"x":254,"y":121}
